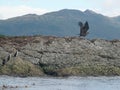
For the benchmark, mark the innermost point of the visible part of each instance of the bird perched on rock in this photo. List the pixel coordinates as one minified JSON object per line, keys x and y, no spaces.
{"x":3,"y":62}
{"x":16,"y":53}
{"x":9,"y":57}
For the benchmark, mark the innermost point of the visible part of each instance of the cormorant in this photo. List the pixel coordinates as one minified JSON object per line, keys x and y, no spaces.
{"x":16,"y":53}
{"x":3,"y":62}
{"x":9,"y":57}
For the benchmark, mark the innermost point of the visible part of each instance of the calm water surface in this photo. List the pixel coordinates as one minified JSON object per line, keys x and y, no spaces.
{"x":71,"y":83}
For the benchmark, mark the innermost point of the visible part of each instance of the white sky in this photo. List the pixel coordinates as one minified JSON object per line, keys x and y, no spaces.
{"x":13,"y":8}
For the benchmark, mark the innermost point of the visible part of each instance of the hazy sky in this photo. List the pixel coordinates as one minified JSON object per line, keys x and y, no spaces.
{"x":12,"y":8}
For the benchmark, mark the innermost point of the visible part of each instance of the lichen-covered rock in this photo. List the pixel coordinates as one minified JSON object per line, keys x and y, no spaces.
{"x":61,"y":52}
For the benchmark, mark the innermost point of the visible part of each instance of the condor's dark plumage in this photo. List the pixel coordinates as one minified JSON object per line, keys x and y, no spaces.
{"x":83,"y":28}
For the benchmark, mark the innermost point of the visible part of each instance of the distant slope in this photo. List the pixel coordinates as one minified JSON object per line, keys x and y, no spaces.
{"x":62,"y":23}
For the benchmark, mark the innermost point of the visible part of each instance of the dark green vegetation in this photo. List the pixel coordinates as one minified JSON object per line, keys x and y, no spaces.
{"x":19,"y":67}
{"x":62,"y":23}
{"x":2,"y":36}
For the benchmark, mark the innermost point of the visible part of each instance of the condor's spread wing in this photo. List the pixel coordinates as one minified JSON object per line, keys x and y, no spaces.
{"x":80,"y":24}
{"x":81,"y":28}
{"x":85,"y":29}
{"x":86,"y":26}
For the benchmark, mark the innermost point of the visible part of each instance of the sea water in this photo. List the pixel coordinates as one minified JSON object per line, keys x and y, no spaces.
{"x":54,"y":83}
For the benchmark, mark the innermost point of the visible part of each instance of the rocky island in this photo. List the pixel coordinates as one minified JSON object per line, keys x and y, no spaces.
{"x":59,"y":56}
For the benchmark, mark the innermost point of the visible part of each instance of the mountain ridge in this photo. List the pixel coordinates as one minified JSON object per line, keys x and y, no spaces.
{"x":62,"y":23}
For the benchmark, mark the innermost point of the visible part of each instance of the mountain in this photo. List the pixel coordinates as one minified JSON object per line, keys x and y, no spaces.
{"x":62,"y":23}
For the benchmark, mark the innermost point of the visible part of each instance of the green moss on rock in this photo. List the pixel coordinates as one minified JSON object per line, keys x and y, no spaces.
{"x":19,"y":67}
{"x":97,"y":70}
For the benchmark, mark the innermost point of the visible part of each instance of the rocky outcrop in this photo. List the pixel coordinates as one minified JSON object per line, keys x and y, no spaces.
{"x":62,"y":52}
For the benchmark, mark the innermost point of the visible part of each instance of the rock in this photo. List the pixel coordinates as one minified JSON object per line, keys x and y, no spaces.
{"x":64,"y":52}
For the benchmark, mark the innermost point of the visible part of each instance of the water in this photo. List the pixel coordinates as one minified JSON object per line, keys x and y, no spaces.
{"x":71,"y":83}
